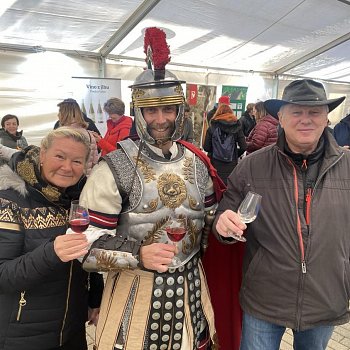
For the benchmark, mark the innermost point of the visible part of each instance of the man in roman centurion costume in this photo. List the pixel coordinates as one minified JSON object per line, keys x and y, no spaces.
{"x":142,"y":198}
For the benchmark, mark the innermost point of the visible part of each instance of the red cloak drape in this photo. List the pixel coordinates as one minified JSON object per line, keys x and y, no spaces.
{"x":223,"y":268}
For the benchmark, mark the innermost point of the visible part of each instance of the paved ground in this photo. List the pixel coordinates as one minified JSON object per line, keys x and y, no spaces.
{"x":340,"y":339}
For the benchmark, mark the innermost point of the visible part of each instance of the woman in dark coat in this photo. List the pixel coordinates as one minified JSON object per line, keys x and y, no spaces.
{"x":44,"y":293}
{"x":227,"y":122}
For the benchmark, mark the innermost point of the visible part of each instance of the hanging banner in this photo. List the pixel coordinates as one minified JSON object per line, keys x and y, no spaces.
{"x":238,"y":97}
{"x":204,"y":98}
{"x":192,"y":94}
{"x":92,"y":93}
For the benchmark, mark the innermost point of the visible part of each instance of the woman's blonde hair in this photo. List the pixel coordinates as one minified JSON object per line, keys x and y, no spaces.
{"x":66,"y":132}
{"x":70,"y":113}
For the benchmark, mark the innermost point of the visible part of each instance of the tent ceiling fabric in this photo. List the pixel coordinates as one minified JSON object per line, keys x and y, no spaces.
{"x":245,"y":35}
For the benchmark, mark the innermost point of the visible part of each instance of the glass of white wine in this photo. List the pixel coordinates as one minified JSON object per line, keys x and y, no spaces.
{"x":248,"y":211}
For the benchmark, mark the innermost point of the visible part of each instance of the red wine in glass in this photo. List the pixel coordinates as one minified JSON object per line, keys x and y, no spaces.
{"x":78,"y":217}
{"x":79,"y":225}
{"x":176,"y":231}
{"x":175,"y":234}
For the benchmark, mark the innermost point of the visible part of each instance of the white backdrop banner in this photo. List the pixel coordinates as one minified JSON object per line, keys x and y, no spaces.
{"x":92,"y":93}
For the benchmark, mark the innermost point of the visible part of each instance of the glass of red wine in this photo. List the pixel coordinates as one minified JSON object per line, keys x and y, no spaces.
{"x":78,"y":217}
{"x":176,"y":231}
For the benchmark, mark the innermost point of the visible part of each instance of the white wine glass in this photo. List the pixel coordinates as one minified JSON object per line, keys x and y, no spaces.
{"x":78,"y":217}
{"x":20,"y":144}
{"x":248,"y":211}
{"x":176,"y":230}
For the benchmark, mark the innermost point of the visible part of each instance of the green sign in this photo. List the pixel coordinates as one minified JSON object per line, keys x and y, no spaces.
{"x":238,"y":96}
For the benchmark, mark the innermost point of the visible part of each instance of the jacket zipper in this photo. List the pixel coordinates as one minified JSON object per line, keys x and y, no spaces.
{"x":300,"y":237}
{"x":67,"y":302}
{"x":22,"y":302}
{"x":308,"y":199}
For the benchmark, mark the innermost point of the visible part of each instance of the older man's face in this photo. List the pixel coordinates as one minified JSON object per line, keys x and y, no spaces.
{"x":303,"y":126}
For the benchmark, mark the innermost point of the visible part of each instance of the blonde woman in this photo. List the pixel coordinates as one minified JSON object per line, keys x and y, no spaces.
{"x":69,"y":114}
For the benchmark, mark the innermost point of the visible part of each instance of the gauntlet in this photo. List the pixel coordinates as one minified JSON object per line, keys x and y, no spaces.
{"x":112,"y":253}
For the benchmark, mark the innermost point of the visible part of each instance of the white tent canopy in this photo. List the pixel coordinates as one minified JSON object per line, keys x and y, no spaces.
{"x":211,"y":42}
{"x":306,"y":38}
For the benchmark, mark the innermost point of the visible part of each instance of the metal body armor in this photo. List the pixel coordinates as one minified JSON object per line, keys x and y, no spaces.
{"x":168,"y":189}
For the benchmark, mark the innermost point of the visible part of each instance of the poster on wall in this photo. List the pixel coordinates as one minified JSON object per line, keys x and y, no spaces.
{"x":200,"y":98}
{"x":238,"y":97}
{"x":92,"y":93}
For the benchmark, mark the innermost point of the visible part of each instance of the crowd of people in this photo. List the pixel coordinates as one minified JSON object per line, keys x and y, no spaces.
{"x":154,"y":202}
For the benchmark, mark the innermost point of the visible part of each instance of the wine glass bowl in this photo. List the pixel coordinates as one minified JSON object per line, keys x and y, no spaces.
{"x":78,"y":217}
{"x":19,"y":144}
{"x":176,"y":231}
{"x":248,"y":211}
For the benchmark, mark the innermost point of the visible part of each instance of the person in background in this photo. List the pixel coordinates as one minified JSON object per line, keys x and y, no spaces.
{"x":118,"y":126}
{"x":248,"y":119}
{"x":265,"y":132}
{"x":223,"y":100}
{"x":227,"y":122}
{"x":91,"y":124}
{"x":69,"y":114}
{"x":148,"y":186}
{"x":44,"y":294}
{"x":9,"y":134}
{"x":10,"y":137}
{"x":296,"y":262}
{"x":188,"y":125}
{"x":341,"y":132}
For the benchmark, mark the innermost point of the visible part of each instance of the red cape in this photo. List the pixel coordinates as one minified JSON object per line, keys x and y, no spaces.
{"x":223,"y":268}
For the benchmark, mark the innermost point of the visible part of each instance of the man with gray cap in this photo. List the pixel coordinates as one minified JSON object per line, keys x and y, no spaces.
{"x":296,"y":271}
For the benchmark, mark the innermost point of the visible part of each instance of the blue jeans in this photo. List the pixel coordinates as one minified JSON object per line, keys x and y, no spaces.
{"x":262,"y":335}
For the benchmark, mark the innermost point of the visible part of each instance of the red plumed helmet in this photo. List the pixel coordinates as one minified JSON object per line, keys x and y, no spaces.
{"x":156,"y":49}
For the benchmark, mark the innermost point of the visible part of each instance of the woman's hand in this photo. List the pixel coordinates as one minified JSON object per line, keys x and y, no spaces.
{"x":70,"y":247}
{"x":229,"y":222}
{"x":157,"y":256}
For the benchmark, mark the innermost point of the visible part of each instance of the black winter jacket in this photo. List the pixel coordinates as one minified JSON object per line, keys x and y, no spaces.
{"x":43,"y":301}
{"x":247,"y":122}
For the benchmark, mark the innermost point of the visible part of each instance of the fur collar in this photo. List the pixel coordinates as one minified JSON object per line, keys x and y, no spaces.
{"x":10,"y":180}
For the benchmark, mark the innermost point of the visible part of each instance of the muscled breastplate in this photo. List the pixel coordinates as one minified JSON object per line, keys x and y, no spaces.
{"x":168,"y":198}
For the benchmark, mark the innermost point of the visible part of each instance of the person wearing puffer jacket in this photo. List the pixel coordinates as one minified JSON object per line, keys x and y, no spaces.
{"x":70,"y":114}
{"x":118,"y":126}
{"x":265,"y":132}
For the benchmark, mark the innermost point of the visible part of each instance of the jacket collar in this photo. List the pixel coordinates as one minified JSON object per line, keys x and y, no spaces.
{"x":327,"y":146}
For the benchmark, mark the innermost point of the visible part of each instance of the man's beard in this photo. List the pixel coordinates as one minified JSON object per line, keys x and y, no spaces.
{"x":152,"y":130}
